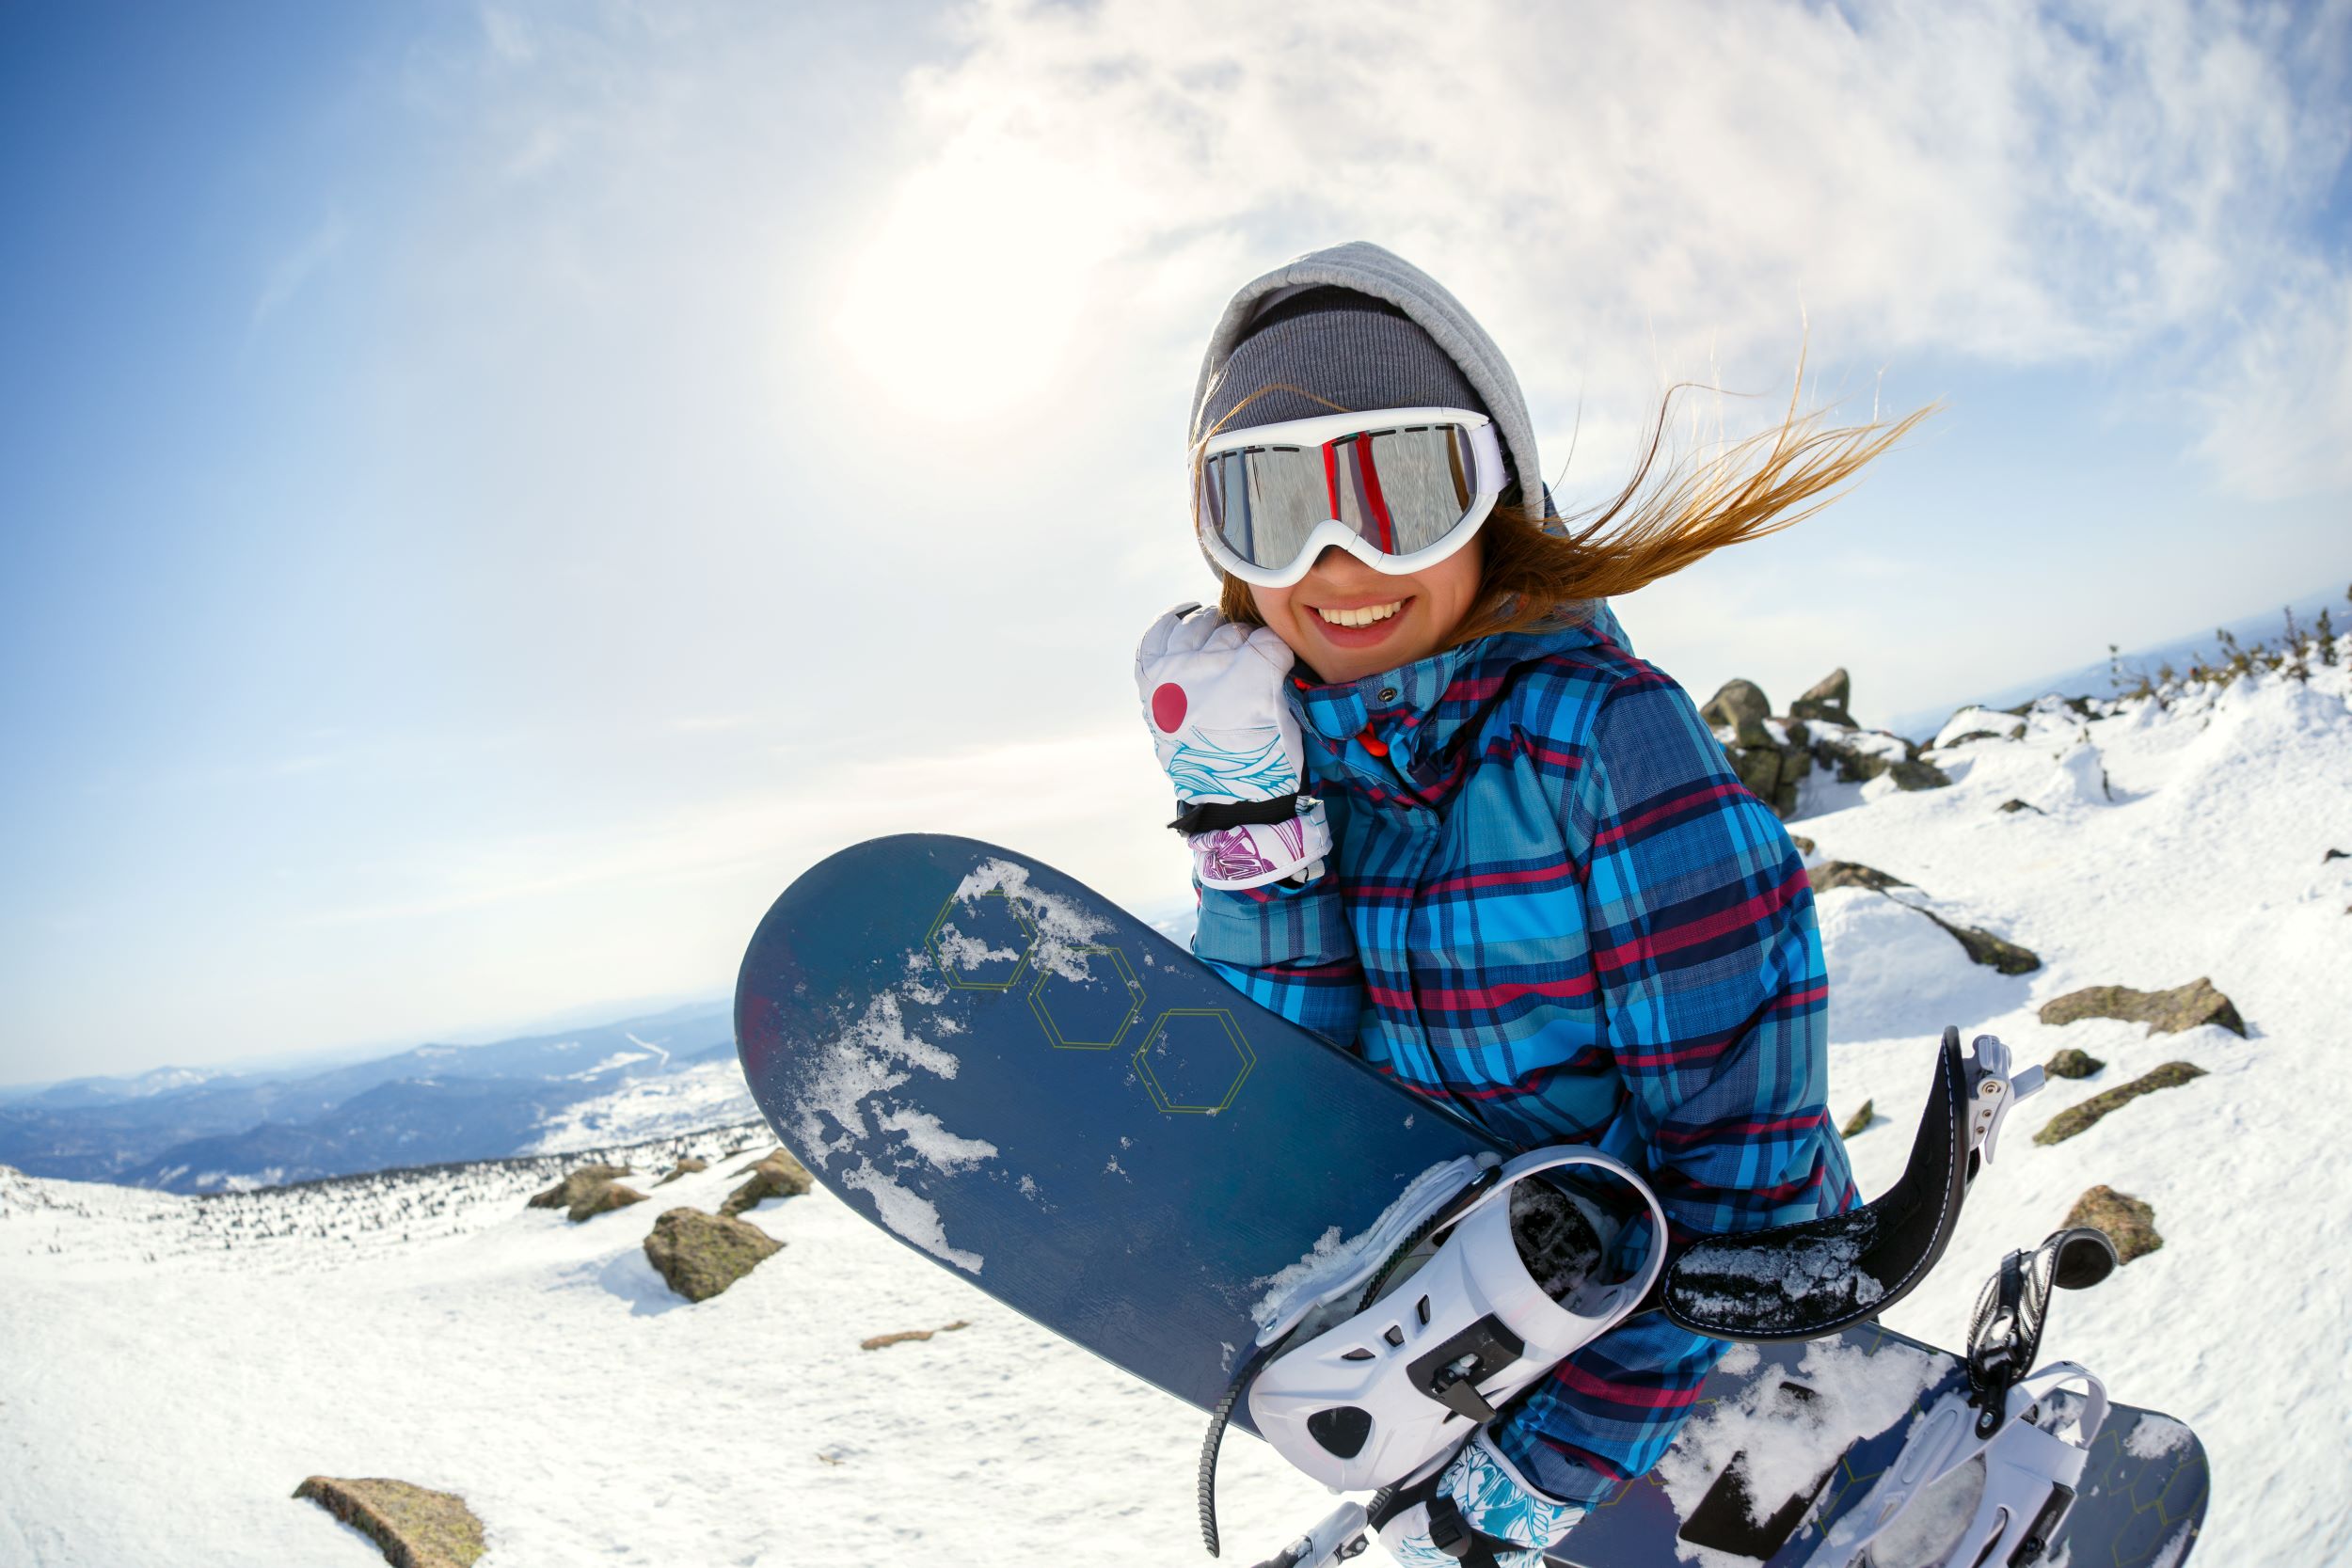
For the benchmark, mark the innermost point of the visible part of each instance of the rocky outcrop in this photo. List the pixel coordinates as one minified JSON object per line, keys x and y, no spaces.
{"x":1860,"y":756}
{"x":2165,"y":1012}
{"x":2073,"y":1063}
{"x":2129,"y":1222}
{"x":1741,"y":707}
{"x":688,"y":1166}
{"x":908,"y":1335}
{"x":1767,"y":756}
{"x":575,"y":1184}
{"x":2081,"y":1118}
{"x":1804,"y":846}
{"x":1772,"y":756}
{"x":414,"y":1527}
{"x":1826,"y":698}
{"x":1972,"y":723}
{"x":776,"y":1175}
{"x":699,"y":1254}
{"x":1860,"y":1119}
{"x":589,"y":1191}
{"x":1837,"y":874}
{"x":1982,"y":946}
{"x":603,"y":1200}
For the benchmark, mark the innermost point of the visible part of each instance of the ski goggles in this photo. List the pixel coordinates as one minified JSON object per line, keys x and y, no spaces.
{"x":1397,"y":488}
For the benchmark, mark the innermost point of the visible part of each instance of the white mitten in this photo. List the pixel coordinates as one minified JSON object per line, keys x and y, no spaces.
{"x":1212,"y":696}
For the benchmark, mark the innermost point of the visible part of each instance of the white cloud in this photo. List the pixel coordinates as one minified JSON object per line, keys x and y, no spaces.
{"x":2279,"y":407}
{"x":1629,"y":193}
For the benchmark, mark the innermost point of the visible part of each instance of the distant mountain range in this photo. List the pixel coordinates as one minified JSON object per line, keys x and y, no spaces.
{"x":2096,"y":680}
{"x":192,"y":1129}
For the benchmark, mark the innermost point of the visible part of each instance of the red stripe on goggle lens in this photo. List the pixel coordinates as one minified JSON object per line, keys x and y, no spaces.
{"x":1401,"y":490}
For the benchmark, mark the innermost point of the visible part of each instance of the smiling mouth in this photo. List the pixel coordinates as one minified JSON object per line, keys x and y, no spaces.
{"x":1363,"y":615}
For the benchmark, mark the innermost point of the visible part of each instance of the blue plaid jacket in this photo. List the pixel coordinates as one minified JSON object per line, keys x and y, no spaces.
{"x":1553,"y":905}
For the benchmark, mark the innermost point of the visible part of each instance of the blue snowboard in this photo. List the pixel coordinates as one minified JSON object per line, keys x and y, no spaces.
{"x":1034,"y":1088}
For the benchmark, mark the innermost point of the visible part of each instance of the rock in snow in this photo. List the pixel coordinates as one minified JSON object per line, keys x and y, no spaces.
{"x":777,"y":1175}
{"x":2073,"y":1063}
{"x":1859,"y":1121}
{"x":699,"y":1254}
{"x":576,"y":1185}
{"x":2130,"y":1223}
{"x":1837,"y":874}
{"x":2082,"y":1117}
{"x":1982,"y":946}
{"x":688,"y":1166}
{"x":416,"y":1528}
{"x":588,"y":1192}
{"x":1826,"y":698}
{"x":2165,"y":1012}
{"x":1742,"y":707}
{"x":908,"y":1335}
{"x":603,"y":1200}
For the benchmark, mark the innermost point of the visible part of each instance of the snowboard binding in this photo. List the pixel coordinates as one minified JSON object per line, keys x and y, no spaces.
{"x":1376,"y":1381}
{"x":1454,"y":1329}
{"x":1989,"y":1475}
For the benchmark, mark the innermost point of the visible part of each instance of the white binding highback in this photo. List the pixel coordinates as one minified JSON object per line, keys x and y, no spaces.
{"x":1362,"y":1404}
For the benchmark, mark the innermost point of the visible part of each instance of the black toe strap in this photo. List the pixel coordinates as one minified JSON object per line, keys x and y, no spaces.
{"x":1448,"y":1530}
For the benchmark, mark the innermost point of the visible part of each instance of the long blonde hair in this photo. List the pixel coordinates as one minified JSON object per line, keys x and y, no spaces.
{"x":1672,"y":512}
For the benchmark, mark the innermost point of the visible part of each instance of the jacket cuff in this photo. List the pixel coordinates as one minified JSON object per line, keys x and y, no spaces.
{"x":1279,"y":923}
{"x":1544,"y":1468}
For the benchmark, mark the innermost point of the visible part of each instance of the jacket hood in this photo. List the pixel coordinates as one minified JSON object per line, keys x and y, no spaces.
{"x":1369,"y":269}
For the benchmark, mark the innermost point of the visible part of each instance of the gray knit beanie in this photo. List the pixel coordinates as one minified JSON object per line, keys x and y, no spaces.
{"x":1375,"y":363}
{"x":1329,"y":349}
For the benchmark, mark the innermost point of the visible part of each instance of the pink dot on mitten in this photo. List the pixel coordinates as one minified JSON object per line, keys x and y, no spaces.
{"x":1167,"y":706}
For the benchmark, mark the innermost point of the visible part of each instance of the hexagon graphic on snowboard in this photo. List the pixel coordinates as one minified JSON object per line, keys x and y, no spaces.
{"x":1194,"y":1060}
{"x":1093,"y":1013}
{"x":981,"y":943}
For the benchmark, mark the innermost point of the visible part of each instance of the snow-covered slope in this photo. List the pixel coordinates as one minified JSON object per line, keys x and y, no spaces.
{"x":2208,"y":860}
{"x":171,"y":1367}
{"x":175,"y":1366}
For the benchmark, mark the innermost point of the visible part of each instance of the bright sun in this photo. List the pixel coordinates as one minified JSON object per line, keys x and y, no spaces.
{"x":961,"y":306}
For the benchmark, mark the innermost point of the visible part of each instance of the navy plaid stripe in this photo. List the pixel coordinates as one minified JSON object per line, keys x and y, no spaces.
{"x":1554,"y":905}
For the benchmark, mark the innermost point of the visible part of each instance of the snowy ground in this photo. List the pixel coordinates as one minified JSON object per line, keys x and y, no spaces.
{"x":173,"y":1366}
{"x":2208,"y":861}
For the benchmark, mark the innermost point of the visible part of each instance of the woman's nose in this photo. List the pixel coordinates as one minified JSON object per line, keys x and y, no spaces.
{"x":1336,"y":565}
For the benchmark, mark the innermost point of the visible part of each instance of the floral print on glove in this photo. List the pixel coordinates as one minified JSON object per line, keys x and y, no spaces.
{"x":1495,"y":1502}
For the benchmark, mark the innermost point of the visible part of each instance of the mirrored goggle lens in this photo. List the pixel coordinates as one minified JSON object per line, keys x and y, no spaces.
{"x":1400,"y":490}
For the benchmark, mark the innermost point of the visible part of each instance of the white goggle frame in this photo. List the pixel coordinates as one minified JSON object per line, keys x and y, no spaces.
{"x":1485,"y":449}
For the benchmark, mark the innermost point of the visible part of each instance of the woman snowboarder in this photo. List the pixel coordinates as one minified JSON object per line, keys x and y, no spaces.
{"x":1442,"y":816}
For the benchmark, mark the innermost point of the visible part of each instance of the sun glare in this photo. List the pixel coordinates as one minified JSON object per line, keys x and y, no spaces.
{"x":961,"y":307}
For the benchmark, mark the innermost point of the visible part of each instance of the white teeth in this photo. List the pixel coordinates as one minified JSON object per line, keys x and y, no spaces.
{"x":1363,"y":617}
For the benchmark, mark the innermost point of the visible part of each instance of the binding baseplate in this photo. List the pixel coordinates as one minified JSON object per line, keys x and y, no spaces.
{"x":1989,"y":1473}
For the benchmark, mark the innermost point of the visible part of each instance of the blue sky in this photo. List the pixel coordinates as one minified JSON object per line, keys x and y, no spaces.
{"x":490,"y":493}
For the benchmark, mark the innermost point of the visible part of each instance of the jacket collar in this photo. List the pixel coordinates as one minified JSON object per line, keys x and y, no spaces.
{"x":1418,"y":709}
